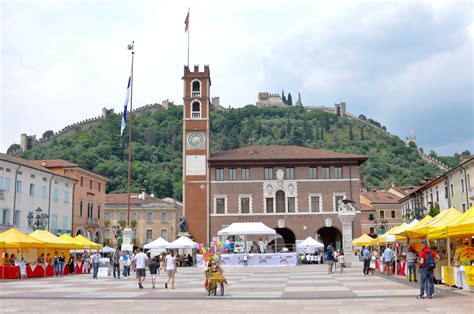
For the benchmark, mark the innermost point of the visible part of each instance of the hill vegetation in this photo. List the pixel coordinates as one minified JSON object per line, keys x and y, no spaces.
{"x":157,"y":145}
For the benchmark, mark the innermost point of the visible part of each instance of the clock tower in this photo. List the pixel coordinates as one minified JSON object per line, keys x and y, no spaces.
{"x":196,"y":151}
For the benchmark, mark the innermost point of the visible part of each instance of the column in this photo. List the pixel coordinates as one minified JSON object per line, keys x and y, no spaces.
{"x":346,"y":219}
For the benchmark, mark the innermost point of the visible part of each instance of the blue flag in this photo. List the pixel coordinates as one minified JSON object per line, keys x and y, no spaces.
{"x":127,"y":99}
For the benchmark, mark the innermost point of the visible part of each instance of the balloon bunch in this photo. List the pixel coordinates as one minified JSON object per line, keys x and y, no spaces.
{"x":213,"y":252}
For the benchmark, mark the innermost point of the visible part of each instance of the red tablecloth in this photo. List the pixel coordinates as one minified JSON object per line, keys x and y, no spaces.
{"x":10,"y":272}
{"x":402,"y":268}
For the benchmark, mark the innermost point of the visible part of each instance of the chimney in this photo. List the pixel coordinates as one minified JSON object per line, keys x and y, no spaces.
{"x":142,"y":195}
{"x":392,"y":184}
{"x":373,"y":193}
{"x":250,"y":143}
{"x":43,"y":163}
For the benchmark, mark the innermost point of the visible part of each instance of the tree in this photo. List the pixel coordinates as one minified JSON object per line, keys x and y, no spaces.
{"x":362,"y":117}
{"x":13,"y":148}
{"x":466,"y":153}
{"x":48,"y":134}
{"x":362,"y":133}
{"x":434,"y":210}
{"x":283,"y":98}
{"x":288,"y":126}
{"x":297,"y":137}
{"x":290,"y":100}
{"x":351,"y":135}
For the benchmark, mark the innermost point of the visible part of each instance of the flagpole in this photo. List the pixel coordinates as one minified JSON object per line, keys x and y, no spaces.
{"x":130,"y":139}
{"x":188,"y":36}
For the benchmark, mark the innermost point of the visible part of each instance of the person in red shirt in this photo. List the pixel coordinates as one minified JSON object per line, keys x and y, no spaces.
{"x":428,"y":259}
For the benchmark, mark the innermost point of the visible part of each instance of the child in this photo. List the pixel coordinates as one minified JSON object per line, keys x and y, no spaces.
{"x":340,"y":260}
{"x":153,"y":271}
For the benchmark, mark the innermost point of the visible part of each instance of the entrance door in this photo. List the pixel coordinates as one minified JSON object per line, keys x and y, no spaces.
{"x":288,"y":238}
{"x":329,"y":235}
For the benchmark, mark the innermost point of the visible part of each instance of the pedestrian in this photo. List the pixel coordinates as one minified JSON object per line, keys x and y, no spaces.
{"x":330,"y":258}
{"x":62,"y":263}
{"x":141,"y":261}
{"x":246,"y":258}
{"x":95,"y":264}
{"x":340,"y":260}
{"x":70,"y":264}
{"x":56,"y":266}
{"x":84,"y":262}
{"x":116,"y":262}
{"x":428,"y":261}
{"x":40,"y":259}
{"x":367,"y":255}
{"x":411,"y":264}
{"x":154,"y":266}
{"x":6,"y":260}
{"x":126,"y":264}
{"x":388,"y":257}
{"x":170,"y":266}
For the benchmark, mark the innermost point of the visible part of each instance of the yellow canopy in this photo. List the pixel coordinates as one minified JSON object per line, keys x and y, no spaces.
{"x":383,"y":238}
{"x":86,"y":241}
{"x":52,"y":241}
{"x":462,"y":227}
{"x":404,"y":231}
{"x":16,"y":239}
{"x":442,"y":219}
{"x":362,"y":240}
{"x":78,"y":244}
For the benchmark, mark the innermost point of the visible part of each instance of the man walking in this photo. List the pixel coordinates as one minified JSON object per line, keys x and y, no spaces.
{"x":388,"y":257}
{"x":85,"y":262}
{"x":141,"y":261}
{"x":367,"y":255}
{"x":428,"y":261}
{"x":330,"y":258}
{"x":116,"y":263}
{"x":95,"y":264}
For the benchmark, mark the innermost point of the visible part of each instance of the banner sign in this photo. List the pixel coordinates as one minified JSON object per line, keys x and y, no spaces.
{"x":261,"y":260}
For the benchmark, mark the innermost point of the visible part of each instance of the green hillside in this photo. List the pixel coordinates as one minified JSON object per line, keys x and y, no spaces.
{"x":157,"y":157}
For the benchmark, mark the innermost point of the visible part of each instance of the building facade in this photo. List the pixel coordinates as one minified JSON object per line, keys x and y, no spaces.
{"x":453,"y":188}
{"x":25,"y":187}
{"x":150,"y":217}
{"x":89,"y":197}
{"x":296,"y":190}
{"x":382,"y":211}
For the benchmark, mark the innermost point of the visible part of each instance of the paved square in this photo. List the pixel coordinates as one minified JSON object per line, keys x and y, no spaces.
{"x":272,"y":288}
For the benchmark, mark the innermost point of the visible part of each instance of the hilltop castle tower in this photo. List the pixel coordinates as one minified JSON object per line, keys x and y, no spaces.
{"x":196,"y":151}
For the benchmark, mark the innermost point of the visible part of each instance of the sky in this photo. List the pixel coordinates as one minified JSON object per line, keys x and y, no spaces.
{"x":406,"y":64}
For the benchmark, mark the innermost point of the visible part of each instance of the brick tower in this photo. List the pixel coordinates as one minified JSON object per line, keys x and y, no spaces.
{"x":196,"y":151}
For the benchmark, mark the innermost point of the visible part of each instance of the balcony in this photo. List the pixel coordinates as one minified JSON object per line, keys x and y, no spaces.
{"x":92,"y":221}
{"x":196,"y":93}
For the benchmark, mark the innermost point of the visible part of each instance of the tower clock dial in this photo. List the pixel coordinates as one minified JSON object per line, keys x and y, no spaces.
{"x":196,"y":140}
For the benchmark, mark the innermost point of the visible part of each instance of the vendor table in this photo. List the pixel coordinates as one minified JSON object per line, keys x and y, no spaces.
{"x":10,"y":272}
{"x":261,"y":260}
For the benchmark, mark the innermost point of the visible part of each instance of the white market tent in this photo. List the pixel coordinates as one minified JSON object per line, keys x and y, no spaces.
{"x":310,"y":243}
{"x":108,"y":249}
{"x":246,"y":228}
{"x":159,"y":243}
{"x":182,"y":243}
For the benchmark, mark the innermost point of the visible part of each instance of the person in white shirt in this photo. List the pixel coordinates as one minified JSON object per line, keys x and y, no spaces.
{"x":170,"y":266}
{"x":141,"y":261}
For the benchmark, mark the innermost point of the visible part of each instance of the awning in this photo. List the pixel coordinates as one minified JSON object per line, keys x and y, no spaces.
{"x":182,"y":243}
{"x":442,"y":219}
{"x":79,"y":244}
{"x":385,"y":239}
{"x":17,"y":239}
{"x":460,"y":226}
{"x":363,"y":240}
{"x":310,"y":243}
{"x":108,"y":249}
{"x":247,"y":228}
{"x":52,"y":241}
{"x":88,"y":242}
{"x":159,"y":243}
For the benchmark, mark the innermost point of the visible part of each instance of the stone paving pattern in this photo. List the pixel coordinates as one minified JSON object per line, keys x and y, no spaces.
{"x":306,"y":288}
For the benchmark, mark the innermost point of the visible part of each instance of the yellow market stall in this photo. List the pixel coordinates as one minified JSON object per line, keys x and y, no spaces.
{"x":24,"y":250}
{"x":421,"y":230}
{"x":78,"y":244}
{"x":363,"y":240}
{"x":88,"y":242}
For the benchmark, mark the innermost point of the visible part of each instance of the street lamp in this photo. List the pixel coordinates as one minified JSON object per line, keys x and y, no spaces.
{"x":38,"y":220}
{"x":380,"y":227}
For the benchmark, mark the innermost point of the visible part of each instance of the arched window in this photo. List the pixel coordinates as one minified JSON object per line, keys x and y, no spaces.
{"x":196,"y":88}
{"x":280,"y":201}
{"x":196,"y":109}
{"x":80,"y":208}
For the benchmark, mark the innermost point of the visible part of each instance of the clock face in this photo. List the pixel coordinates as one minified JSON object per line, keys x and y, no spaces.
{"x":196,"y":140}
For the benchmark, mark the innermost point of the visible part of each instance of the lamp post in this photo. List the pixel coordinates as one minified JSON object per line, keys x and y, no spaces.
{"x":38,"y":220}
{"x":380,"y":227}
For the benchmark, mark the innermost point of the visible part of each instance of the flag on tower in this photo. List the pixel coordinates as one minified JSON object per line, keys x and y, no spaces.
{"x":127,"y":99}
{"x":186,"y":23}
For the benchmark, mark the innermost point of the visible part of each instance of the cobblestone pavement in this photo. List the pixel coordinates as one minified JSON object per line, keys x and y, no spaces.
{"x":306,"y":288}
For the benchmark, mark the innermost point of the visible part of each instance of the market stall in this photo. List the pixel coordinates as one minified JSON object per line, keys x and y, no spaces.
{"x":363,"y":240}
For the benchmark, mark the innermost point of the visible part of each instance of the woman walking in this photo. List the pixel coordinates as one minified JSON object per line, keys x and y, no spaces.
{"x":170,"y":266}
{"x":126,"y":264}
